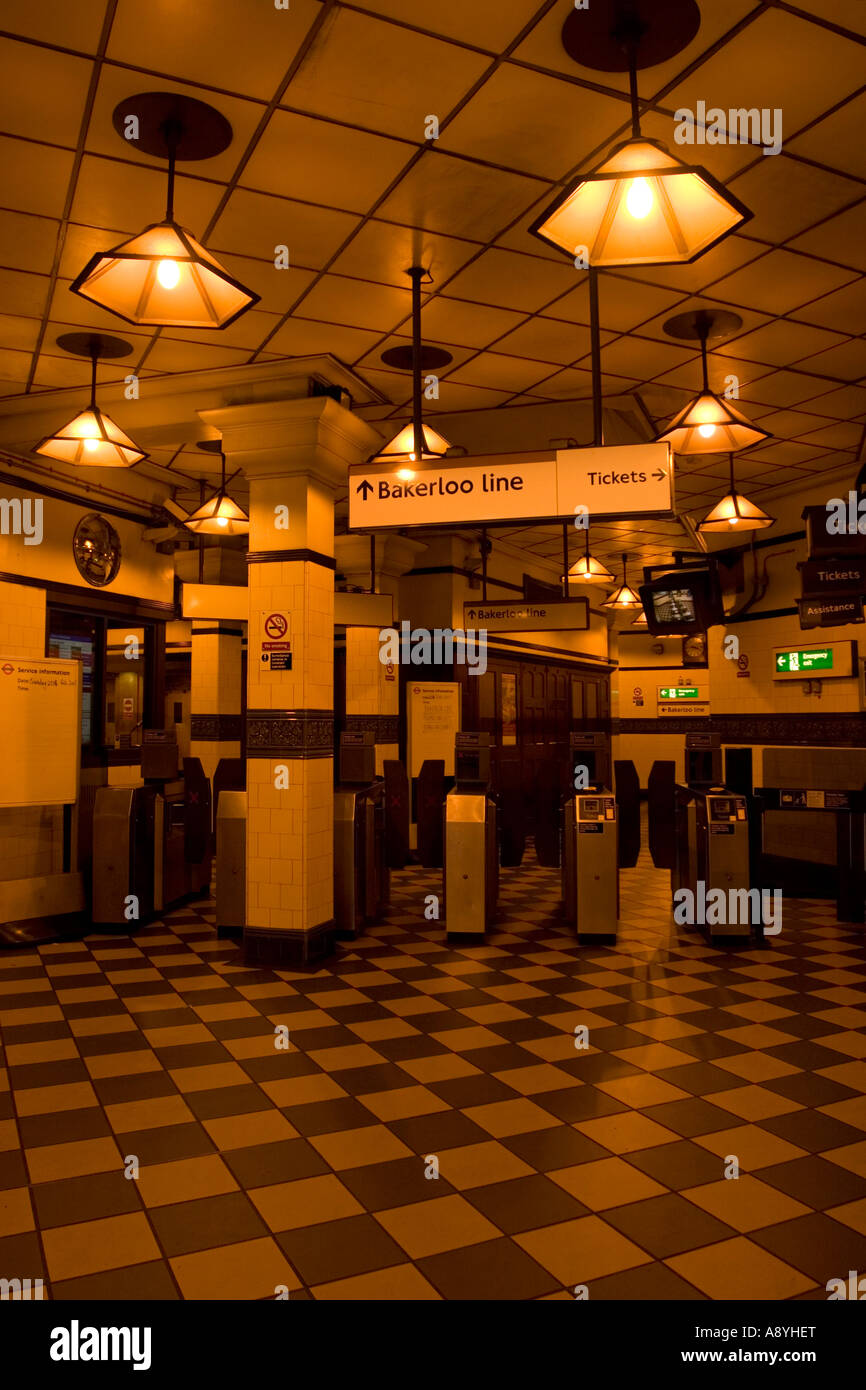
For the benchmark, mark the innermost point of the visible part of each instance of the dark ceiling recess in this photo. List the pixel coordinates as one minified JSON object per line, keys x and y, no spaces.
{"x":432,"y":358}
{"x":601,"y":35}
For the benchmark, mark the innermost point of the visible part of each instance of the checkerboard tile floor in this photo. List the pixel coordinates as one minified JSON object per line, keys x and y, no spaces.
{"x":306,"y":1168}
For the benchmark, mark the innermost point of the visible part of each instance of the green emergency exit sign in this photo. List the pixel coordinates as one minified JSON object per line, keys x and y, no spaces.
{"x":817,"y":659}
{"x":679,"y":692}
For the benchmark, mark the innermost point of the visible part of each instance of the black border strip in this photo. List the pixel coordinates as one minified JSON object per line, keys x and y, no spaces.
{"x":273,"y":557}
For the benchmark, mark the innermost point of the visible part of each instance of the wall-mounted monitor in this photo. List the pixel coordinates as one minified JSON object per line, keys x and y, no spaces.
{"x":682,"y":601}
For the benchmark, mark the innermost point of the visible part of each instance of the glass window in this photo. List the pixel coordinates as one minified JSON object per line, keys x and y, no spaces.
{"x":71,"y":636}
{"x":125,"y":651}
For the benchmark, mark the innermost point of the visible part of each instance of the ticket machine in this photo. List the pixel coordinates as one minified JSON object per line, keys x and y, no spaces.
{"x":361,"y":878}
{"x":471,"y":847}
{"x":590,"y":859}
{"x":711,"y":845}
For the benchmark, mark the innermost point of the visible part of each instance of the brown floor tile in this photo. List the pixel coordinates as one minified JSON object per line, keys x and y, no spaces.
{"x":246,"y":1131}
{"x":206,"y":1224}
{"x":85,"y":1198}
{"x":381,"y":1186}
{"x":137,"y":1283}
{"x":397,"y":1283}
{"x":496,"y":1270}
{"x":432,"y":1227}
{"x":306,"y":1202}
{"x":608,"y":1182}
{"x":745,"y":1203}
{"x":16,"y":1213}
{"x":815,"y":1182}
{"x":279,"y":1161}
{"x":667,"y":1225}
{"x":340,"y":1249}
{"x":90,"y":1247}
{"x":739,"y":1269}
{"x":522,"y":1204}
{"x":163,"y":1184}
{"x":54,"y":1161}
{"x":576,"y":1252}
{"x":251,"y":1269}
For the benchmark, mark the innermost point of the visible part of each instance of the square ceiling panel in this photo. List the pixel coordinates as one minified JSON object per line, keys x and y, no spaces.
{"x":847,"y":362}
{"x":488,"y":24}
{"x":780,"y":282}
{"x":27,"y":243}
{"x":306,"y":338}
{"x":35,"y":177}
{"x":366,"y":72}
{"x":384,"y":252}
{"x":781,"y":343}
{"x":534,"y":123}
{"x":841,"y":239}
{"x":316,"y":161}
{"x":234,"y":45}
{"x":254,"y":224}
{"x":787,"y":196}
{"x":845,"y":310}
{"x":43,"y":93}
{"x":468,"y":325}
{"x":356,"y":303}
{"x":24,"y":294}
{"x":622,"y":304}
{"x":495,"y":369}
{"x":458,"y":197}
{"x":108,"y":189}
{"x":811,"y":69}
{"x":548,"y":340}
{"x":513,"y":281}
{"x":837,"y":140}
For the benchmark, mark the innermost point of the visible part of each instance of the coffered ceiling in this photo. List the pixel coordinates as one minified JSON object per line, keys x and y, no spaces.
{"x":329,"y":104}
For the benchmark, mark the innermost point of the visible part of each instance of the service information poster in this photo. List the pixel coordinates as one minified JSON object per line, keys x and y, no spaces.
{"x":433,"y":721}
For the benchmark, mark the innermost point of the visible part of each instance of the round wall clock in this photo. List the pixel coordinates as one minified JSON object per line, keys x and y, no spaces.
{"x":96,"y":547}
{"x":695,"y":649}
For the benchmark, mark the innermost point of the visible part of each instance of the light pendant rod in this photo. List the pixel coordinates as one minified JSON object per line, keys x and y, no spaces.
{"x":416,"y":274}
{"x":704,"y":333}
{"x":565,"y":526}
{"x":94,"y":361}
{"x":595,"y":348}
{"x":632,"y":86}
{"x":173,"y":131}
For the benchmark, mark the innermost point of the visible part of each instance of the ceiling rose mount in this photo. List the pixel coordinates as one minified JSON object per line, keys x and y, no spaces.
{"x":167,"y":120}
{"x":603,"y":36}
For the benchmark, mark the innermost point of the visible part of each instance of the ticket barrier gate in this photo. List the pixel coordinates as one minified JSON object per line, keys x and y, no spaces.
{"x":711,"y":851}
{"x":151,"y":845}
{"x":590,"y":864}
{"x":361,"y":877}
{"x":849,"y":808}
{"x":231,"y":866}
{"x":471,"y":845}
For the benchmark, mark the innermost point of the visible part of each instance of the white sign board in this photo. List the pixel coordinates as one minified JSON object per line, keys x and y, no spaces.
{"x":275,"y":642}
{"x":432,"y":720}
{"x":633,"y":478}
{"x":622,"y":481}
{"x":40,"y":715}
{"x":556,"y":615}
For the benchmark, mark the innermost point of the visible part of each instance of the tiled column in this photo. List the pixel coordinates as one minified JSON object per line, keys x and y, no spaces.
{"x":372,"y":689}
{"x":215,"y":693}
{"x":295,"y":454}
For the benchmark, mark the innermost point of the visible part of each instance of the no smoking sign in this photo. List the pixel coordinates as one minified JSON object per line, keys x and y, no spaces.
{"x":276,"y":644}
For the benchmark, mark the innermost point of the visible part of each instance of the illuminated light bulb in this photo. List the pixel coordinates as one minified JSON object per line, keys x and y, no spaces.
{"x":168,"y":274}
{"x":222,"y":521}
{"x":639,"y":199}
{"x":91,"y":444}
{"x":406,"y":474}
{"x":707,"y":431}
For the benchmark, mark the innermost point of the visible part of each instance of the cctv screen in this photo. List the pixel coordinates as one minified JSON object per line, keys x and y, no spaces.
{"x":674,"y":606}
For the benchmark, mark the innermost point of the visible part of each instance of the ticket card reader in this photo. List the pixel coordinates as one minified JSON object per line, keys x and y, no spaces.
{"x":590,"y":868}
{"x":361,"y":879}
{"x":592,"y":751}
{"x":712,"y":852}
{"x":471,"y":846}
{"x":703,"y":760}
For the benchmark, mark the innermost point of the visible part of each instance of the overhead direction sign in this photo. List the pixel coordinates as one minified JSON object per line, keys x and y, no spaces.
{"x":555,"y":615}
{"x":623,"y":481}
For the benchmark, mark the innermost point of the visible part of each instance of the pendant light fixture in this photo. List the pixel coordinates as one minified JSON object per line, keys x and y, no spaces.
{"x":589,"y":570}
{"x":709,"y":424}
{"x":220,"y":515}
{"x":640,"y":620}
{"x":415,"y":442}
{"x":625,"y":596}
{"x":641,"y":205}
{"x":163,"y":277}
{"x":92,"y":438}
{"x":735,"y":512}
